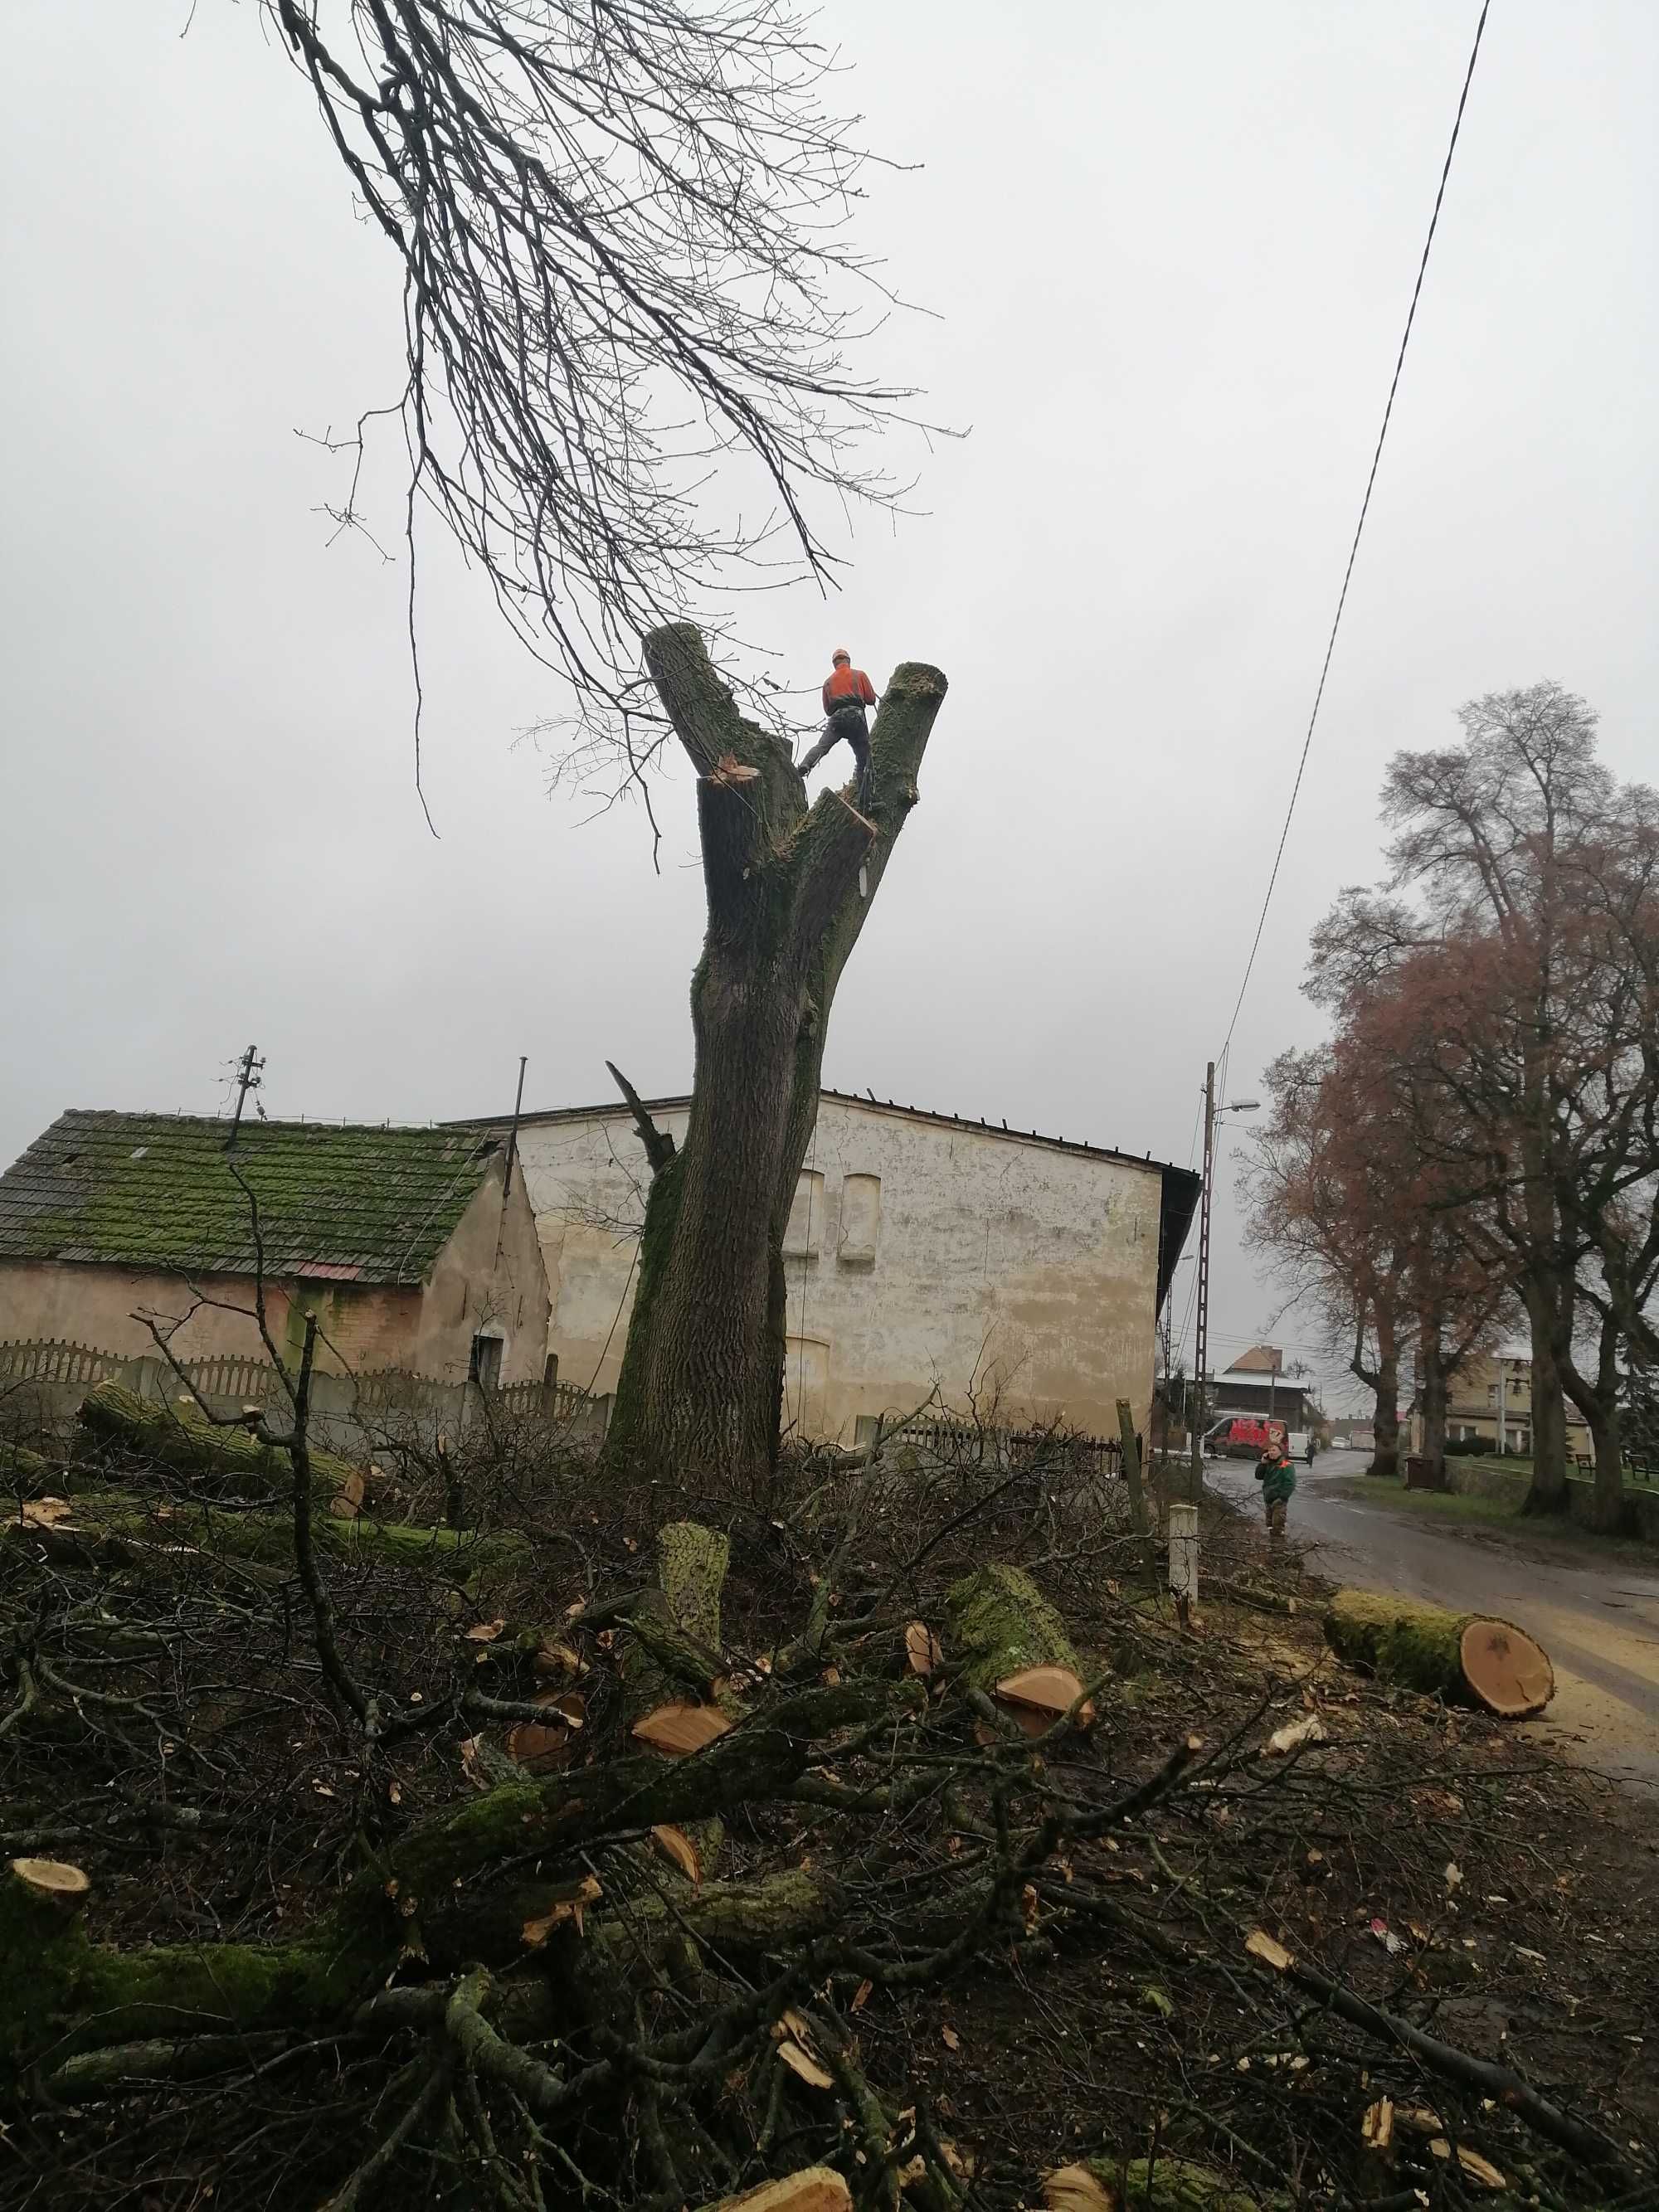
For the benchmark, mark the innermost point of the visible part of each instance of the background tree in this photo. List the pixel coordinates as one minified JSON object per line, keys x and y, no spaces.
{"x":1321,"y":1208}
{"x":1530,"y":868}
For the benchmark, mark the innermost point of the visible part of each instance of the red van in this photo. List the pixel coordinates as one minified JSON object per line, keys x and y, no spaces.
{"x":1243,"y":1436}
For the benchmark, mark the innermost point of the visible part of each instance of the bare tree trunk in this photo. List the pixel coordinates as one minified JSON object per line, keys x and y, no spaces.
{"x":701,"y":1383}
{"x":1431,"y":1390}
{"x":1598,"y":1402}
{"x":1548,"y":1490}
{"x":1383,"y":1381}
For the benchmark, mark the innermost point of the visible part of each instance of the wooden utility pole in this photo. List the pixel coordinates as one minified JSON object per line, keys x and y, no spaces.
{"x":247,"y":1079}
{"x":1203,"y":1346}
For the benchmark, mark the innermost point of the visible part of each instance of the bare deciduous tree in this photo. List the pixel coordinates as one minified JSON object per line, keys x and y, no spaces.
{"x":628,"y":299}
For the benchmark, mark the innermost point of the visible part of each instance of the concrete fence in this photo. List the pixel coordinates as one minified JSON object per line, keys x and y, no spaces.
{"x":42,"y":1383}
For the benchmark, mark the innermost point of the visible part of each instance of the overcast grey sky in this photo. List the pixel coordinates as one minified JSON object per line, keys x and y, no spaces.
{"x":1170,"y":251}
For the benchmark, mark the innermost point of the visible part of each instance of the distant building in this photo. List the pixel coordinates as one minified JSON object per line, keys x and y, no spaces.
{"x":402,"y":1241}
{"x":1498,"y":1384}
{"x":1254,"y":1383}
{"x":923,"y":1251}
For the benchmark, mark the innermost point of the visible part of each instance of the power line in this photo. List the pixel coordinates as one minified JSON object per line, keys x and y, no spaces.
{"x":1365,"y":509}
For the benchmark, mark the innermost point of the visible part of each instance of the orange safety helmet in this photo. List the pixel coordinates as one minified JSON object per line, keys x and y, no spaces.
{"x":841,"y":654}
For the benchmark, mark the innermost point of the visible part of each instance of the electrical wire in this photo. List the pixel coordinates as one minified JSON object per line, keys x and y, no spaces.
{"x":1365,"y":509}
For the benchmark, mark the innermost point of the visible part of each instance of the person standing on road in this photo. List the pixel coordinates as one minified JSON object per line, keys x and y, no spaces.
{"x":1277,"y":1476}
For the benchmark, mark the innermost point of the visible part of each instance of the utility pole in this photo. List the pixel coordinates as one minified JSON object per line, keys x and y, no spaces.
{"x":1203,"y":1346}
{"x":1503,"y":1428}
{"x":247,"y":1079}
{"x":513,"y":1141}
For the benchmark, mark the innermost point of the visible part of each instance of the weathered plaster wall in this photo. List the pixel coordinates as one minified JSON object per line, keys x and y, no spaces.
{"x":474,"y":1287}
{"x":919,"y":1251}
{"x":488,"y":1280}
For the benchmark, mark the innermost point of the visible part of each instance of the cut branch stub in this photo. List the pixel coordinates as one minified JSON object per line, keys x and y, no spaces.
{"x":677,"y":1848}
{"x":814,"y":2189}
{"x":1037,"y":1697}
{"x":677,"y":1730}
{"x":1467,"y":1656}
{"x":543,"y":1747}
{"x":1141,"y":2185}
{"x":54,"y":1882}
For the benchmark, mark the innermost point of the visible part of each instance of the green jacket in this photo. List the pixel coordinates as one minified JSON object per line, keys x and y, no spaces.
{"x":1277,"y":1480}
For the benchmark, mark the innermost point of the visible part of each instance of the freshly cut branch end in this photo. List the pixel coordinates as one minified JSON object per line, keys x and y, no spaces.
{"x":54,"y":1881}
{"x":677,"y":1730}
{"x":814,"y":2189}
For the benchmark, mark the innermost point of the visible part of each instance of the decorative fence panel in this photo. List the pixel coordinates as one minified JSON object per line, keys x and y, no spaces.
{"x":51,"y":1359}
{"x":42,"y":1382}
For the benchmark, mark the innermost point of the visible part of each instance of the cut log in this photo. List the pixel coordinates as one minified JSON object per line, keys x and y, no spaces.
{"x":921,"y":1649}
{"x":1003,"y":1630}
{"x":1471,"y":1657}
{"x":176,"y":1437}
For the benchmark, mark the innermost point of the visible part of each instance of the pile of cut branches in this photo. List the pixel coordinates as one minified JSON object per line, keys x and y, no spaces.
{"x":899,"y":1831}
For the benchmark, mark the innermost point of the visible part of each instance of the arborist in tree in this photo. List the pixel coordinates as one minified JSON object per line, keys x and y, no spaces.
{"x":1276,"y":1472}
{"x":847,"y":691}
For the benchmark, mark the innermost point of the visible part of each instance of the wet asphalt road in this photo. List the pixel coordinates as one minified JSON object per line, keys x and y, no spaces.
{"x":1595,"y":1613}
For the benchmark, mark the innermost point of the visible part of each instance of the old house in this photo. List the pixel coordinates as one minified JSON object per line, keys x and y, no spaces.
{"x":413,"y":1246}
{"x":1257,"y":1384}
{"x":1020,"y":1272}
{"x":1491,"y":1395}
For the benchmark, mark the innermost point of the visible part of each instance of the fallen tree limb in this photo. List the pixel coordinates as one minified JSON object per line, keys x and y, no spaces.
{"x":177,"y":1437}
{"x":124,"y":1527}
{"x":68,"y":1994}
{"x":1500,"y":2083}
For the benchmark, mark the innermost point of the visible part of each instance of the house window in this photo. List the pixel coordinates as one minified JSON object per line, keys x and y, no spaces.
{"x":806,"y":1227}
{"x":485,"y":1366}
{"x":861,"y":1220}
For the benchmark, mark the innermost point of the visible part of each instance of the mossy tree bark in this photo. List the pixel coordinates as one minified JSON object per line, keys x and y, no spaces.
{"x":788,"y":887}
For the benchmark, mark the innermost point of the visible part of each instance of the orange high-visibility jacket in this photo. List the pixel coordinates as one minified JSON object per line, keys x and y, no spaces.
{"x":845,"y":684}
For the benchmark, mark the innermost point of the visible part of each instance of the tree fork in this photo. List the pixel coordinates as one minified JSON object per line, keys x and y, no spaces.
{"x":787,"y":889}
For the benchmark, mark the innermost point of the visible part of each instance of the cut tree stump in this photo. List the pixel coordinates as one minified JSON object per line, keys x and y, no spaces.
{"x":1471,"y":1657}
{"x":1007,"y":1641}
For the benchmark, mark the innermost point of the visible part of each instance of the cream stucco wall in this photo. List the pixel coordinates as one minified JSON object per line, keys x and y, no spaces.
{"x":487,"y":1279}
{"x":921,"y":1251}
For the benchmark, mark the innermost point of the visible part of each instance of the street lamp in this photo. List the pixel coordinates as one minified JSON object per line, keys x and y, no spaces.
{"x":1211,"y":1118}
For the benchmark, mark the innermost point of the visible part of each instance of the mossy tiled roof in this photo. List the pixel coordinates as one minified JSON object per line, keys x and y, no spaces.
{"x":360,"y":1204}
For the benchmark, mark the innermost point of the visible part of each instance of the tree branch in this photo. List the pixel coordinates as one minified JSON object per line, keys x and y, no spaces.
{"x":659,"y":1145}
